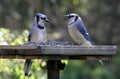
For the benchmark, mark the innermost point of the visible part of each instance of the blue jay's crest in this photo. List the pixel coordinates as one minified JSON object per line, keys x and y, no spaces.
{"x":41,"y":16}
{"x":39,"y":20}
{"x":73,"y":17}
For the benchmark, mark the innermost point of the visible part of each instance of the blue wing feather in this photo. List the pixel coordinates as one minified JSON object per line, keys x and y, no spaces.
{"x":30,"y":34}
{"x":83,"y":30}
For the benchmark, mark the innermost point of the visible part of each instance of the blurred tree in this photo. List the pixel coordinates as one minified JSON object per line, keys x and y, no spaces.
{"x":95,"y":14}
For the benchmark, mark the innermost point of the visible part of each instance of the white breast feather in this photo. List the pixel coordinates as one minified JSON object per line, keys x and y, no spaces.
{"x":39,"y":35}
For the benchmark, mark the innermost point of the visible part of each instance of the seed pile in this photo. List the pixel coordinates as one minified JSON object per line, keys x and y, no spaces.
{"x":55,"y":43}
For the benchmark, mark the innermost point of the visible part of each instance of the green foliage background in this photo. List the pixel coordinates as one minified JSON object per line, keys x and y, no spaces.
{"x":101,"y":18}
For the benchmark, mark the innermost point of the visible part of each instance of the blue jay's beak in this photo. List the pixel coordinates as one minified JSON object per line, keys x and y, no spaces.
{"x":47,"y":20}
{"x":66,"y":17}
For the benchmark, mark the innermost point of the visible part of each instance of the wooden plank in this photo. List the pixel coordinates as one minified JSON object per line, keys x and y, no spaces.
{"x":57,"y":52}
{"x":19,"y":50}
{"x":2,"y":47}
{"x":78,"y":50}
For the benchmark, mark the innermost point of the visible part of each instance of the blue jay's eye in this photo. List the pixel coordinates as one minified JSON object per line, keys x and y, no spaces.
{"x":70,"y":16}
{"x":43,"y":18}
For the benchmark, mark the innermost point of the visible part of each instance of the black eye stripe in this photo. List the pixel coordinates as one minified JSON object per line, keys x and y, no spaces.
{"x":38,"y":18}
{"x":70,"y":16}
{"x":43,"y":18}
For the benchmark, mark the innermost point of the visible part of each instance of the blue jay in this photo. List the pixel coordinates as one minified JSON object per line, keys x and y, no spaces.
{"x":37,"y":34}
{"x":77,"y":30}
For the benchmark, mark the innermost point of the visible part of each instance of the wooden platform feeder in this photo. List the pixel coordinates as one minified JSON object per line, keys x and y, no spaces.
{"x":55,"y":53}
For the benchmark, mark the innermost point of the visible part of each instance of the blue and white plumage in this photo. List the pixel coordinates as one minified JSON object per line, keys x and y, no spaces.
{"x":37,"y":34}
{"x":77,"y":30}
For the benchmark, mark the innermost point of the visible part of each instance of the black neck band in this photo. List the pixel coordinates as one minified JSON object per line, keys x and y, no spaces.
{"x":40,"y":27}
{"x":76,"y":18}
